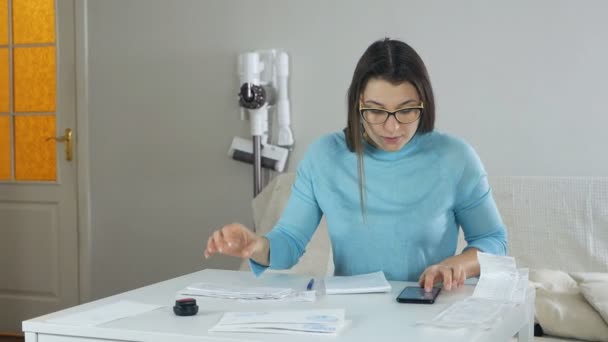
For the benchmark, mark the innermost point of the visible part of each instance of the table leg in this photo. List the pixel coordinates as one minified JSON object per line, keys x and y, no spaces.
{"x":526,"y":333}
{"x":31,"y":337}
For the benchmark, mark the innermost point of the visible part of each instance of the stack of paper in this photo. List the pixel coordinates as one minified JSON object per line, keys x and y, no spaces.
{"x":246,"y":293}
{"x":325,"y":322}
{"x":363,"y":283}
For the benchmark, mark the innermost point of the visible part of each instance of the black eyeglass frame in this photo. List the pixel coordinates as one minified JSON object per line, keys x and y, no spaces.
{"x":393,"y":113}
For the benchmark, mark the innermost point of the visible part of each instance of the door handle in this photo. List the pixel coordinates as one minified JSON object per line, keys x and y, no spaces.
{"x":67,"y":139}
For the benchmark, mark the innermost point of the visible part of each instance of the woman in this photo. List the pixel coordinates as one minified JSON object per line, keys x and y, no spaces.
{"x":393,"y":191}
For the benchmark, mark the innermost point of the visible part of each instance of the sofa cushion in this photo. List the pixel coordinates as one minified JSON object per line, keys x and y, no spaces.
{"x":594,"y":287}
{"x":561,"y":308}
{"x":590,"y":277}
{"x":552,"y":280}
{"x":567,"y":314}
{"x":596,"y":294}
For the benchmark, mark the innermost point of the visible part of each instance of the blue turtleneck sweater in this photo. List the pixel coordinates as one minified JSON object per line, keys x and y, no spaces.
{"x":416,"y":199}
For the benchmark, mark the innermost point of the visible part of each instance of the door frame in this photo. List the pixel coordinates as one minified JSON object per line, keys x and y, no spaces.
{"x":83,"y":174}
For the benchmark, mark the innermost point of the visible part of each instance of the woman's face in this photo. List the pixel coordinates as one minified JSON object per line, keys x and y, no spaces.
{"x":390,"y":135}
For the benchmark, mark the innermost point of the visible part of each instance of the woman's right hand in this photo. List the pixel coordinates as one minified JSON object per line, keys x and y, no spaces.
{"x":235,"y":240}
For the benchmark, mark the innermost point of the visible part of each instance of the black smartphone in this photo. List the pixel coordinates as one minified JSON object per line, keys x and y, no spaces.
{"x":415,"y":294}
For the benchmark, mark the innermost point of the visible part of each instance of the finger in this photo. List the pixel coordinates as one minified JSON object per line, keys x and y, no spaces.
{"x":429,"y":280}
{"x":446,"y":273}
{"x":232,"y":236}
{"x":459,"y":276}
{"x":463,"y":276}
{"x":421,"y":279}
{"x":211,"y":249}
{"x":455,"y":276}
{"x":218,"y":239}
{"x":227,"y":235}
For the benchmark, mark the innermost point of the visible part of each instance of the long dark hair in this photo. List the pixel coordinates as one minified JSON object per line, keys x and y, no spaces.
{"x":395,"y":62}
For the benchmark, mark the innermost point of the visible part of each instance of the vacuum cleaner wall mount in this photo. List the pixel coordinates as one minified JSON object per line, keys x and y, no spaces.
{"x":263,"y":87}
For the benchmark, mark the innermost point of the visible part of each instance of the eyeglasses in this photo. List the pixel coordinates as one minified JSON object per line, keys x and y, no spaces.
{"x":405,"y":115}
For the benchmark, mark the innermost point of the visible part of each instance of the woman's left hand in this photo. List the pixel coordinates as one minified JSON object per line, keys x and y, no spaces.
{"x":452,"y":275}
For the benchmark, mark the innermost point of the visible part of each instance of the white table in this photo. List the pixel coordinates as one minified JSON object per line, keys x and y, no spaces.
{"x":374,"y":316}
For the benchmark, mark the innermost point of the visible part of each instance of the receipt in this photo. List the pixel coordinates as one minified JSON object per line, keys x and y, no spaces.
{"x":501,"y":286}
{"x":500,"y":279}
{"x":470,"y":313}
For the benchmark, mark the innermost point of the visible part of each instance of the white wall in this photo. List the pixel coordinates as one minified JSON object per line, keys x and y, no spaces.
{"x":523,"y":81}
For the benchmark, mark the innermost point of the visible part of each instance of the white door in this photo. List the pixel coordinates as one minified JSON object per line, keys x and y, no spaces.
{"x":38,"y":208}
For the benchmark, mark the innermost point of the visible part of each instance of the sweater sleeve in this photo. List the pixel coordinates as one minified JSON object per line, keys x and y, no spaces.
{"x":475,"y":209}
{"x":298,"y":222}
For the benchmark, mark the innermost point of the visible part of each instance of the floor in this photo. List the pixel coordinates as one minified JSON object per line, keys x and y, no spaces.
{"x":10,"y":339}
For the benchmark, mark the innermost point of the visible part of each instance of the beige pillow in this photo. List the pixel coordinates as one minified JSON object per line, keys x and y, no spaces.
{"x":567,"y":314}
{"x":597,"y":295}
{"x":590,"y":277}
{"x":551,"y":280}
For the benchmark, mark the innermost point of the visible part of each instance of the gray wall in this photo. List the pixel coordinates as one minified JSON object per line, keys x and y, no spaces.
{"x":523,"y":81}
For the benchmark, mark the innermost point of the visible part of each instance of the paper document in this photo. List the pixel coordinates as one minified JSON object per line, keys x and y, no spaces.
{"x":246,"y":293}
{"x":326,"y":322}
{"x":363,"y":283}
{"x":501,"y":286}
{"x":500,"y":279}
{"x":470,"y":313}
{"x":105,"y":313}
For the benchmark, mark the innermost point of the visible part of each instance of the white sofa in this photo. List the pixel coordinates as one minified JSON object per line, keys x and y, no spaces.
{"x":553,"y":223}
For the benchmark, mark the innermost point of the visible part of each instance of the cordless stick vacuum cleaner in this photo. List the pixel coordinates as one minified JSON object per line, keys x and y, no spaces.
{"x":263,"y":77}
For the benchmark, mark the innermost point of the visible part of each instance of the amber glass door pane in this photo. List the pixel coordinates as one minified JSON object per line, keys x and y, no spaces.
{"x":4,"y":70}
{"x":34,"y":73}
{"x":33,"y":21}
{"x":3,"y":22}
{"x":28,"y":91}
{"x":35,"y":147}
{"x":5,"y":148}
